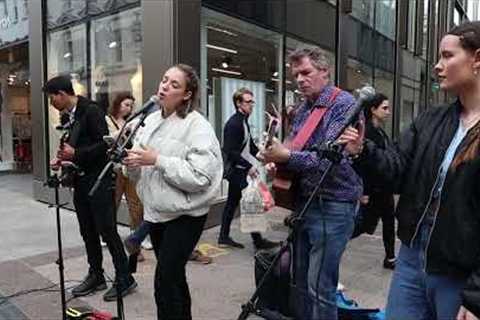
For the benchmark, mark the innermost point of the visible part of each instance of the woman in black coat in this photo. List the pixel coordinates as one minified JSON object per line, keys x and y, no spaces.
{"x":378,"y":203}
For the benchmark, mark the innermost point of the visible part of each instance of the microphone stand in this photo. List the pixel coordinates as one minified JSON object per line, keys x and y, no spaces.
{"x":116,"y":154}
{"x":54,"y":182}
{"x":334,"y":153}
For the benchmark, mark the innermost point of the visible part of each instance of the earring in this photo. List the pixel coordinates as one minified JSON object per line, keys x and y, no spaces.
{"x":475,"y":71}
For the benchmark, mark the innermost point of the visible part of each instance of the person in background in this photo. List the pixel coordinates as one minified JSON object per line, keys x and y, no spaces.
{"x":377,"y":202}
{"x":434,"y":167}
{"x":121,"y":108}
{"x":238,"y":140}
{"x":177,"y":160}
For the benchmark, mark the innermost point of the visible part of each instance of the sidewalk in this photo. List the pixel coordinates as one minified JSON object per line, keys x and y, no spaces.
{"x":29,"y":251}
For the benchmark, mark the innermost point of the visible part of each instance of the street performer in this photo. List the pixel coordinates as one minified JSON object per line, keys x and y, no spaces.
{"x":86,"y":149}
{"x":321,"y":237}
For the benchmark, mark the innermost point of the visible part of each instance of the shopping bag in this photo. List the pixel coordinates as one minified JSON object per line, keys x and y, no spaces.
{"x":268,"y":202}
{"x":252,"y":217}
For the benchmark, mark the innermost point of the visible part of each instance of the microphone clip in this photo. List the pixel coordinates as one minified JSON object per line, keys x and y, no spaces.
{"x":329,"y":150}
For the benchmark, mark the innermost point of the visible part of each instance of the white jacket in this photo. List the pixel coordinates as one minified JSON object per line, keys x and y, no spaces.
{"x":189,"y":168}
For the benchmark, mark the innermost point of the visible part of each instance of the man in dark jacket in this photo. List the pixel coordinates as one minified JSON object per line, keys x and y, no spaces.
{"x":237,"y":139}
{"x":87,"y":150}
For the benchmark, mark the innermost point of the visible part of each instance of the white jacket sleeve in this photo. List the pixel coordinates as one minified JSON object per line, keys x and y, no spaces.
{"x":201,"y":166}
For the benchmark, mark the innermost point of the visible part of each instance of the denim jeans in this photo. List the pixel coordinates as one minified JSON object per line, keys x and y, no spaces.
{"x":140,"y":233}
{"x":319,"y":244}
{"x":417,"y":295}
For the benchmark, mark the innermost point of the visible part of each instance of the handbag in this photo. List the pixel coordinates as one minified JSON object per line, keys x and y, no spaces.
{"x":283,"y":185}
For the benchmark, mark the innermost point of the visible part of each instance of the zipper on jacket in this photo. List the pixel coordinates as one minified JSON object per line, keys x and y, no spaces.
{"x":431,"y":231}
{"x":426,"y":207}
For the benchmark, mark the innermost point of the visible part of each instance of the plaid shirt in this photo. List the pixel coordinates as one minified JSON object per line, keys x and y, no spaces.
{"x":343,"y":183}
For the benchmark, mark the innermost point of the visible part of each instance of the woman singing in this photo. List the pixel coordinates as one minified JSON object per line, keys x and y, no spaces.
{"x":180,"y":165}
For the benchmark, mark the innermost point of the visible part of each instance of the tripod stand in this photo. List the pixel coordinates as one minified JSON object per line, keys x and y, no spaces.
{"x":117,"y":153}
{"x":54,"y":182}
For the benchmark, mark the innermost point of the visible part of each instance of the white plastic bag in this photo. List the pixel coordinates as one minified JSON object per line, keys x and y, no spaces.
{"x":252,"y":216}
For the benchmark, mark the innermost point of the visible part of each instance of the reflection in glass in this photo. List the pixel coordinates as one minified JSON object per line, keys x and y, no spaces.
{"x":240,"y":54}
{"x":65,"y":11}
{"x":66,"y":54}
{"x":116,"y":56}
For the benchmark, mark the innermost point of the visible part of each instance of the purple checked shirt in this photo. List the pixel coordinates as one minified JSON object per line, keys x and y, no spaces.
{"x":343,"y":183}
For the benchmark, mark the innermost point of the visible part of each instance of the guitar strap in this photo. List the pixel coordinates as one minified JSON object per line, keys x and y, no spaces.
{"x":312,"y":122}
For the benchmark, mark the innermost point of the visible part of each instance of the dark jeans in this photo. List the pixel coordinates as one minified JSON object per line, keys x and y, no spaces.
{"x":320,"y":241}
{"x":173,"y":242}
{"x":418,"y":295}
{"x":380,"y":206}
{"x":140,"y":233}
{"x":237,"y":183}
{"x":96,"y":217}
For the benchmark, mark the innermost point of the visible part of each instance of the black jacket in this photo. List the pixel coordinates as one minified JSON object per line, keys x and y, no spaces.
{"x":86,"y":137}
{"x":233,"y":142}
{"x":410,"y":168}
{"x":378,"y":136}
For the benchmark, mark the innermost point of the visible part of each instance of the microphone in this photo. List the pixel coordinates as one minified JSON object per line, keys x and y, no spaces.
{"x":150,"y":106}
{"x":364,"y":94}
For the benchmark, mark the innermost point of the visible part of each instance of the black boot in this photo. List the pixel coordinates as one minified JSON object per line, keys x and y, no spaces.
{"x":91,"y":283}
{"x":265,"y":244}
{"x":229,"y":243}
{"x":126,"y":286}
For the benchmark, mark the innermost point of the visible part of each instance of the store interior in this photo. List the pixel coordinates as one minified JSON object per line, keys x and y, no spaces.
{"x":15,"y":111}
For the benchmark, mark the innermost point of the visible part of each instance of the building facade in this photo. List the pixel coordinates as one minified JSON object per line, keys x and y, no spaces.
{"x":109,"y":46}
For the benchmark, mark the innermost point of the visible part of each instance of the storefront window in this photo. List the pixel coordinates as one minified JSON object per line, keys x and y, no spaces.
{"x":13,"y":21}
{"x":116,"y":43}
{"x":99,"y":6}
{"x":63,"y":12}
{"x":239,"y":54}
{"x":66,"y":54}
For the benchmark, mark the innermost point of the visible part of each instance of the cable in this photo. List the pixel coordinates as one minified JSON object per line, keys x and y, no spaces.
{"x":5,"y":299}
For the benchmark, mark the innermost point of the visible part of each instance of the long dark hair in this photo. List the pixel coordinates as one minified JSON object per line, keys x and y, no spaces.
{"x":119,"y":98}
{"x":469,"y":37}
{"x":192,"y":84}
{"x":373,"y":102}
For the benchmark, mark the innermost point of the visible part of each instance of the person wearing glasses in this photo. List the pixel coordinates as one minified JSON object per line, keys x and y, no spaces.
{"x":379,"y":203}
{"x":237,"y":140}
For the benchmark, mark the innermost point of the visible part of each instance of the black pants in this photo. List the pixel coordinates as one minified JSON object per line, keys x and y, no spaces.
{"x":173,"y":242}
{"x":96,"y":217}
{"x":380,"y":206}
{"x":237,"y":183}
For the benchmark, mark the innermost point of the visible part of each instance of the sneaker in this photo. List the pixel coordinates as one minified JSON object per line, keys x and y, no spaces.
{"x":147,"y":244}
{"x":103,"y":243}
{"x":126,"y":287}
{"x":131,"y":246}
{"x":340,"y":286}
{"x":265,"y":244}
{"x":389,"y":263}
{"x":92,"y":282}
{"x":229,"y":243}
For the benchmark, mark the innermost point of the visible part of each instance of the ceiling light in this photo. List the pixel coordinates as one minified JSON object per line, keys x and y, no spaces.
{"x":224,"y":64}
{"x":275,"y":74}
{"x":67,"y":55}
{"x":211,"y":46}
{"x":222,"y":31}
{"x":113,"y":44}
{"x":227,"y":71}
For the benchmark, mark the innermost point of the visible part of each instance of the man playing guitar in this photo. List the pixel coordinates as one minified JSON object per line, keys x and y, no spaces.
{"x":321,"y":238}
{"x":84,"y":148}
